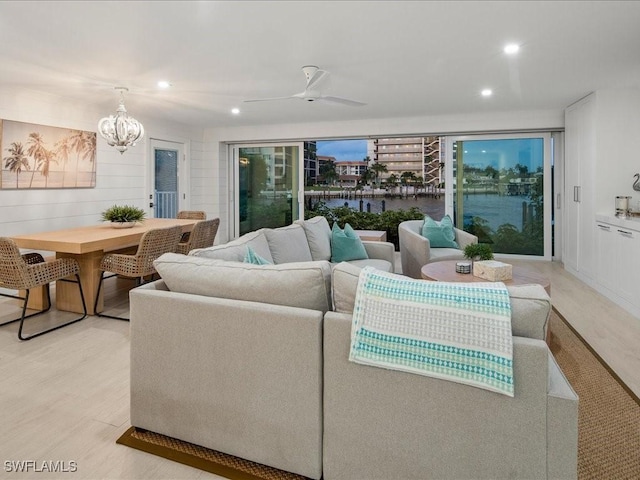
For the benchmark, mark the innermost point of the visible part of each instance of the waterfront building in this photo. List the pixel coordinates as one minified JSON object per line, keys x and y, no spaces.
{"x":349,"y":172}
{"x":422,"y":156}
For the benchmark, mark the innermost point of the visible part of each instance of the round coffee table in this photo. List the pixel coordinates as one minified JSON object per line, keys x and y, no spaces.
{"x":445,"y":271}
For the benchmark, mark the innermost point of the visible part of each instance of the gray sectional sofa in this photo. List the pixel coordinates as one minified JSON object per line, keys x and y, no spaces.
{"x":252,"y":360}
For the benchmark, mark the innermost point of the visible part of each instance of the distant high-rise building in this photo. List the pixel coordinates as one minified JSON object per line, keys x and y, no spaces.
{"x":311,"y":167}
{"x":420,"y":155}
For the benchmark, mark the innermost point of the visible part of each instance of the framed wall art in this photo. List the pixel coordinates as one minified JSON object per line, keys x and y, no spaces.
{"x":40,"y":156}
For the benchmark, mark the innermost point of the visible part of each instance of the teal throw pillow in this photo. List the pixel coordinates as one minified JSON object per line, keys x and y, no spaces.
{"x":346,"y":244}
{"x":440,"y":234}
{"x":253,"y":257}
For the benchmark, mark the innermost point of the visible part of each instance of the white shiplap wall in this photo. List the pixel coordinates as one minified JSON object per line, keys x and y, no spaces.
{"x":119,"y":178}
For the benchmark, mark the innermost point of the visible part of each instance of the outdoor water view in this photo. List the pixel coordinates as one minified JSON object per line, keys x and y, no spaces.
{"x":497,"y":185}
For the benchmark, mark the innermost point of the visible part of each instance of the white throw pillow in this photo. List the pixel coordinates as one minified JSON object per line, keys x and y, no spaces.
{"x":236,"y":250}
{"x":318,"y":234}
{"x":288,"y":244}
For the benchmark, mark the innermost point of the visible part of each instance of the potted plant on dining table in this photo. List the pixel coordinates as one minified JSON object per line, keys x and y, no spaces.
{"x":123,"y":216}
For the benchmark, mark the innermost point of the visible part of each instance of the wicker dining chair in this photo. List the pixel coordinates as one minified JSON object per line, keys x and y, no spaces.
{"x":28,"y":271}
{"x":202,"y":236}
{"x":153,"y":243}
{"x":190,"y":215}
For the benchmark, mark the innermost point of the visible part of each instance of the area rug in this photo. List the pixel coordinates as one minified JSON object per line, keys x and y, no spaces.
{"x":608,"y":423}
{"x":608,"y":412}
{"x":202,"y":458}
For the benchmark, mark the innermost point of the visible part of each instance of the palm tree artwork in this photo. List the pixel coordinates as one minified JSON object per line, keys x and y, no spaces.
{"x":47,"y":150}
{"x":16,"y":160}
{"x":40,"y":155}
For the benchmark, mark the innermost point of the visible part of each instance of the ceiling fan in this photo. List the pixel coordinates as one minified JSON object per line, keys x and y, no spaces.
{"x":314,"y":77}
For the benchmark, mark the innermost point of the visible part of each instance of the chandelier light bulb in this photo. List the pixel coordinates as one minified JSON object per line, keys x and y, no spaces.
{"x":121,"y":130}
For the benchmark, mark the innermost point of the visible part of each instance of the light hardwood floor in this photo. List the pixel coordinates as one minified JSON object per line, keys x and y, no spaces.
{"x":65,"y":395}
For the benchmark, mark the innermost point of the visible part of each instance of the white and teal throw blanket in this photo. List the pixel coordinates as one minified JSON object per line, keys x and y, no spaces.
{"x":454,"y":331}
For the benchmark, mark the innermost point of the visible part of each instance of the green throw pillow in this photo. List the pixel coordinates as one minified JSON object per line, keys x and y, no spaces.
{"x":440,"y":234}
{"x":346,"y":244}
{"x":253,"y":257}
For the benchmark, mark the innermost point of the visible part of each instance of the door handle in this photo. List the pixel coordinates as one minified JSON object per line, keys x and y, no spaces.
{"x":151,"y":205}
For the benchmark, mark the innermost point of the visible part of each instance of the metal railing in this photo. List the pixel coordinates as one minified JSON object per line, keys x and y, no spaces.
{"x":166,"y":204}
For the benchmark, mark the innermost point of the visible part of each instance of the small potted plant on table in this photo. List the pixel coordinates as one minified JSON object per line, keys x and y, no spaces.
{"x":123,"y":216}
{"x":478,"y":251}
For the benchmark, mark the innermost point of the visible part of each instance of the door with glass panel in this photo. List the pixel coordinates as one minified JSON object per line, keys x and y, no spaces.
{"x":166,"y":198}
{"x":499,"y":189}
{"x":267,"y":180}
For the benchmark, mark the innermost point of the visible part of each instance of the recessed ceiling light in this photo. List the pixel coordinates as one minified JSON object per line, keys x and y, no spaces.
{"x":487,"y":92}
{"x":235,"y":111}
{"x":511,"y":48}
{"x":163,"y":84}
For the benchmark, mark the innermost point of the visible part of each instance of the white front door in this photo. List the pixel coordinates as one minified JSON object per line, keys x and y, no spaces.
{"x":168,"y":194}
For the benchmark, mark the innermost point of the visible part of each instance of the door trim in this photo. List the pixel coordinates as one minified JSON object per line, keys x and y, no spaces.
{"x":184,"y":200}
{"x":234,"y":172}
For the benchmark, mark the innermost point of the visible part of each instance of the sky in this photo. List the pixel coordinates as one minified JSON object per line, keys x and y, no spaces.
{"x":342,"y":150}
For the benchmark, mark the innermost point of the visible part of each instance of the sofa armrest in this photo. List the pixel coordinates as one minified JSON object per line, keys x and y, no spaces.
{"x":369,"y":412}
{"x":380,"y":250}
{"x":414,"y":248}
{"x":562,"y":425}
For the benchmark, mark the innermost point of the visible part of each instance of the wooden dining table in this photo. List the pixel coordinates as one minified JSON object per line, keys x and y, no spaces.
{"x":88,"y":245}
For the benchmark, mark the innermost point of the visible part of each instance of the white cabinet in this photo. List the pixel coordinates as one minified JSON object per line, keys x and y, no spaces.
{"x":618,"y":264}
{"x":606,"y":239}
{"x":579,"y":252}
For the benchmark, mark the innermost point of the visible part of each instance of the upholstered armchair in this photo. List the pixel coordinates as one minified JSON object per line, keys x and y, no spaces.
{"x":416,"y":250}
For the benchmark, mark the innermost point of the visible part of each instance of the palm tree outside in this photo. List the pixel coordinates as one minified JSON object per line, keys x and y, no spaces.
{"x":407,"y":178}
{"x":377,"y":169}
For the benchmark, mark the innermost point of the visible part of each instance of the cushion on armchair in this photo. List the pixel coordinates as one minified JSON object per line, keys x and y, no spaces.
{"x":440,"y":234}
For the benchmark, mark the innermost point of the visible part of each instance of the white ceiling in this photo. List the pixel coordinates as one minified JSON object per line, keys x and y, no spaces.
{"x":401,"y":58}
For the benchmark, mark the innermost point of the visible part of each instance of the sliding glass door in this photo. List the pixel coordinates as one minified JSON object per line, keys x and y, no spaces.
{"x":267,"y":181}
{"x":499,"y":189}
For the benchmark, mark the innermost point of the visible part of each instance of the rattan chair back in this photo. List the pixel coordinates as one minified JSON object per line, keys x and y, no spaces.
{"x":24,"y":272}
{"x":153,"y":243}
{"x":202,"y":236}
{"x":192,"y":214}
{"x":14,"y":272}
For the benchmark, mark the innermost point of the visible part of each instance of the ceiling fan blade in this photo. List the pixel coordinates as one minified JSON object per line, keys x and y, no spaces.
{"x":343,"y":101}
{"x":267,"y":99}
{"x":316,"y":78}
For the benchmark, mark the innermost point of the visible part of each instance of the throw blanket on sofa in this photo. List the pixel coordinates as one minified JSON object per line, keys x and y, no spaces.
{"x":454,"y":331}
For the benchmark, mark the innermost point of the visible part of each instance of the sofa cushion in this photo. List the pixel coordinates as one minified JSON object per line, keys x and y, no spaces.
{"x":288,"y":244}
{"x":530,"y":310}
{"x":318,"y":234}
{"x":304,"y":284}
{"x":344,"y":283}
{"x":253,"y":257}
{"x":440,"y":234}
{"x":346,"y":245}
{"x":236,"y":250}
{"x":530,"y":304}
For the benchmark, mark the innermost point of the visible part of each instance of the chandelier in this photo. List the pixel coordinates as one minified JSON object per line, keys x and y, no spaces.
{"x":121,"y":131}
